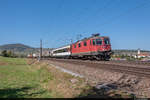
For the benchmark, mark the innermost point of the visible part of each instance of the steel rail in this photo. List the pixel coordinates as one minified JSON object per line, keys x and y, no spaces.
{"x":144,"y":72}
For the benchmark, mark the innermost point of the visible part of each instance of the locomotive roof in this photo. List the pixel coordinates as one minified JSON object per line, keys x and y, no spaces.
{"x":91,"y":38}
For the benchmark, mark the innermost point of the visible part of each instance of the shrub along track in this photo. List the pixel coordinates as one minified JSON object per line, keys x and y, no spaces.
{"x":142,"y":71}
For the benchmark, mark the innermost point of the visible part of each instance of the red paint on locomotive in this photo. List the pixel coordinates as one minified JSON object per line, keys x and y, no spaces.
{"x":97,"y":46}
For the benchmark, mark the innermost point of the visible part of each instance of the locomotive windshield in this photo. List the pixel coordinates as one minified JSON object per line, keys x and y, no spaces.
{"x":106,"y":41}
{"x":98,"y":42}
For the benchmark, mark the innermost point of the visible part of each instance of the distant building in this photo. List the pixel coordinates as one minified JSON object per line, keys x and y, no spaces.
{"x":142,"y":54}
{"x":139,"y":51}
{"x":46,"y":53}
{"x":132,"y":53}
{"x":32,"y":55}
{"x":29,"y":56}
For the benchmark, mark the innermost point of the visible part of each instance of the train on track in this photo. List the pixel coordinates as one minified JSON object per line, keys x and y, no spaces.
{"x":95,"y":47}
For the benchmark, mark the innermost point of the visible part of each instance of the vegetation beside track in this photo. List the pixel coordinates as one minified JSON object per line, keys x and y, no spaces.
{"x":19,"y":79}
{"x":24,"y":78}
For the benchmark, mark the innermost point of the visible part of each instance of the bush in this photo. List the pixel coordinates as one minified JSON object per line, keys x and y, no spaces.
{"x":6,"y":53}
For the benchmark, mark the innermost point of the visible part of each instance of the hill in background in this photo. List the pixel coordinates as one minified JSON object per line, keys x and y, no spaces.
{"x":18,"y":48}
{"x":23,"y":50}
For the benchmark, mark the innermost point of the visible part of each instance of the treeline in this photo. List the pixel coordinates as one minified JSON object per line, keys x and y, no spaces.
{"x":125,"y":50}
{"x":127,"y":57}
{"x":7,"y":53}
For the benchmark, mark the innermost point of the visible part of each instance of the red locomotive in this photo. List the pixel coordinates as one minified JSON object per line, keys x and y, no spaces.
{"x":95,"y":47}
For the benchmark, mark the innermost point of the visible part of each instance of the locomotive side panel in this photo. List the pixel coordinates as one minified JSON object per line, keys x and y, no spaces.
{"x":81,"y":48}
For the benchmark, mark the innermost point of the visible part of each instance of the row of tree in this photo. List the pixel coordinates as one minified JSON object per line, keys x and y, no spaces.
{"x":127,"y":57}
{"x":6,"y":53}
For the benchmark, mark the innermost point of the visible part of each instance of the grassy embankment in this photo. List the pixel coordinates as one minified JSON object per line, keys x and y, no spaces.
{"x":18,"y":79}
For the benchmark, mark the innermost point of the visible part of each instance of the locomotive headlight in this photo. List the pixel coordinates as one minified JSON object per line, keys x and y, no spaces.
{"x":103,"y":47}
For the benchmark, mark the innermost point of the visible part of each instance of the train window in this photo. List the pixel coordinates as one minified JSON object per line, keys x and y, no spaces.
{"x":90,"y":42}
{"x":106,"y":41}
{"x":74,"y":46}
{"x":98,"y":42}
{"x":85,"y":43}
{"x":79,"y":45}
{"x":93,"y":42}
{"x":66,"y":50}
{"x":62,"y":50}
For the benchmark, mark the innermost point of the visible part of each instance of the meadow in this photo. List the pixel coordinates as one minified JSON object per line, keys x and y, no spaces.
{"x":21,"y":78}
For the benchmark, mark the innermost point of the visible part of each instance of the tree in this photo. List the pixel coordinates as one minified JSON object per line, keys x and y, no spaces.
{"x":9,"y":54}
{"x":4,"y":53}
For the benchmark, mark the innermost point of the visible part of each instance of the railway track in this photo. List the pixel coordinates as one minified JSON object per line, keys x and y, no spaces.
{"x":116,"y":62}
{"x":122,"y":63}
{"x":133,"y":70}
{"x":133,"y":62}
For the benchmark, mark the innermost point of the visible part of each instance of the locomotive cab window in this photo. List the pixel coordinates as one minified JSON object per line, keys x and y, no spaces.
{"x":106,"y":41}
{"x":93,"y":42}
{"x":98,"y":42}
{"x":74,"y":46}
{"x":85,"y":43}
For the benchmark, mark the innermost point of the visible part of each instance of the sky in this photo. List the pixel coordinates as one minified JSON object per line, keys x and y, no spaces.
{"x":56,"y":22}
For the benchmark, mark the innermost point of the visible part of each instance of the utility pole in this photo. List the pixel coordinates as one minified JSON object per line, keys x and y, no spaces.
{"x":40,"y":55}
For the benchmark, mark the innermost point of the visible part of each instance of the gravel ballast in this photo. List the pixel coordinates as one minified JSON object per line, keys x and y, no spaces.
{"x":128,"y":83}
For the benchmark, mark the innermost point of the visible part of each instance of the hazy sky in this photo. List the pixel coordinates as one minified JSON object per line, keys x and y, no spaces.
{"x":126,"y":22}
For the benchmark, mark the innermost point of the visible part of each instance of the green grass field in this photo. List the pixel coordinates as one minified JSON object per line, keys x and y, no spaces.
{"x":19,"y":80}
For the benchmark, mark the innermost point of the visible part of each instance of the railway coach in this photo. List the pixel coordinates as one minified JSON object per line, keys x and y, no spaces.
{"x":62,"y":52}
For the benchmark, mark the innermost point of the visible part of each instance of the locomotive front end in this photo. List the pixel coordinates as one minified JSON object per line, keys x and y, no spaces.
{"x":103,"y":48}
